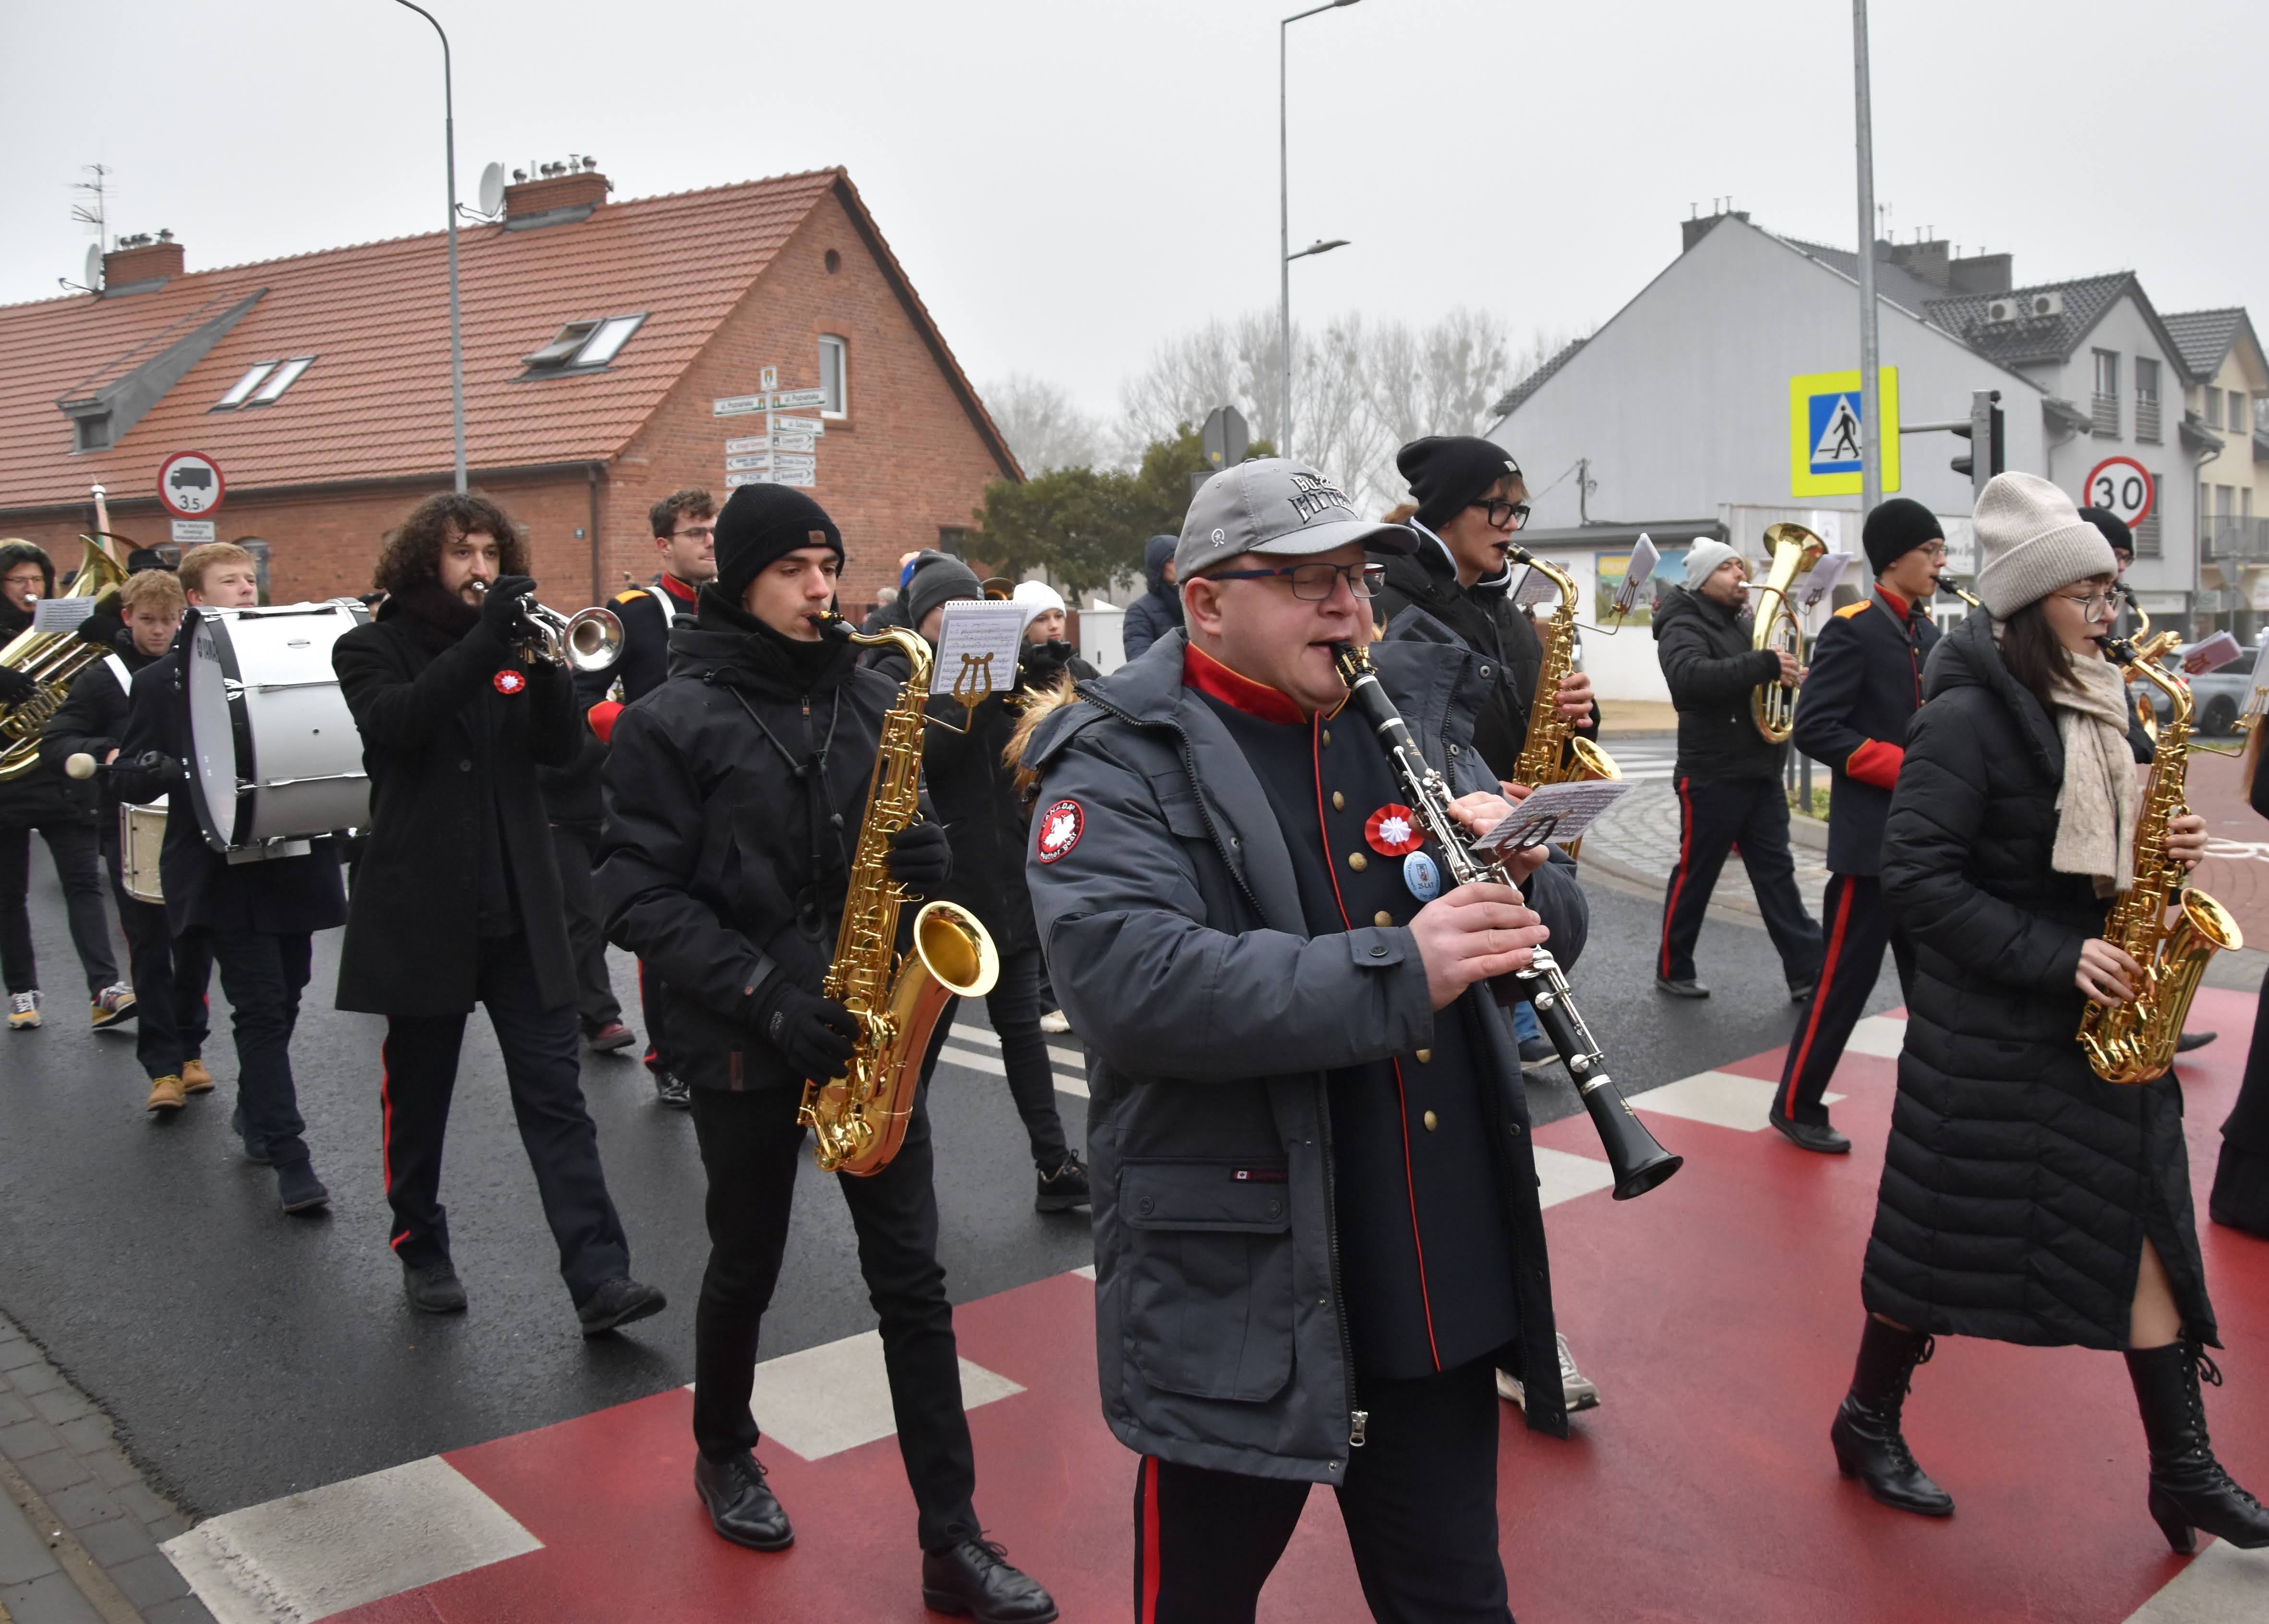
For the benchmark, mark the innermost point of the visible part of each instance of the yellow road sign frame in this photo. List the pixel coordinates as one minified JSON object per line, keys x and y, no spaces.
{"x":1801,"y":390}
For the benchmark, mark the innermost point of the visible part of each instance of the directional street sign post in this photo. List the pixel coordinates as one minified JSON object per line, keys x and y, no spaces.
{"x":1825,"y":432}
{"x":786,"y":452}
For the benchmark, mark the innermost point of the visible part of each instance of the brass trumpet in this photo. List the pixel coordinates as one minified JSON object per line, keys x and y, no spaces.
{"x":589,"y":639}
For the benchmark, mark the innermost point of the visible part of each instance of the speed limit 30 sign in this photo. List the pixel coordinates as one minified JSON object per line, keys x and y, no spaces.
{"x":2121,"y":487}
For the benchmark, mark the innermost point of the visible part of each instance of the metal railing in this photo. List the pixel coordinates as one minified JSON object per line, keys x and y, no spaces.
{"x":2146,"y":420}
{"x":2107,"y":415}
{"x":2224,"y":537}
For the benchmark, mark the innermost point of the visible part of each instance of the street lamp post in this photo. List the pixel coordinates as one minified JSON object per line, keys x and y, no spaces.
{"x":456,"y":327}
{"x":1284,"y":255}
{"x":1871,"y":423}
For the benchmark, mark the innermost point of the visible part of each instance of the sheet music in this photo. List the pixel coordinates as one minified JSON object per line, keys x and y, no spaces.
{"x":61,"y":613}
{"x":1821,"y":579}
{"x":1555,"y":812}
{"x":977,"y":648}
{"x":1644,"y":555}
{"x":2211,"y":654}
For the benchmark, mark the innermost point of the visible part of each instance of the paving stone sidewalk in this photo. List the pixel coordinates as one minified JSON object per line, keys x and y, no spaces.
{"x":1637,"y":841}
{"x":79,"y":1529}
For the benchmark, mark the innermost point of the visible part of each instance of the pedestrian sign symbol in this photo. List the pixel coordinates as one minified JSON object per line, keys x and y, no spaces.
{"x":1824,"y":411}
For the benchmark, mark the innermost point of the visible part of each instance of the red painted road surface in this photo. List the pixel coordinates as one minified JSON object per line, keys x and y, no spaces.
{"x":1720,"y":1315}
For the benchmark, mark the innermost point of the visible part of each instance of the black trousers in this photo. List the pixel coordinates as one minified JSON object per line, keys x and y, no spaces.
{"x":170,"y":977}
{"x":1715,"y":815}
{"x":595,"y":1005}
{"x":72,"y":847}
{"x":543,"y":1069}
{"x":1858,"y":930}
{"x":1419,"y":1502}
{"x":750,"y":1143}
{"x":263,"y":975}
{"x":1014,"y":1007}
{"x":2241,"y":1178}
{"x":652,"y":996}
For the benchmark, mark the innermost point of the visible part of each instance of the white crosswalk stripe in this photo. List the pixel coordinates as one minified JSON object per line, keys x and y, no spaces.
{"x":978,"y":1049}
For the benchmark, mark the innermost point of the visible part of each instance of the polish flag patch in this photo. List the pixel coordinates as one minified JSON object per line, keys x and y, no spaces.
{"x":1060,"y":827}
{"x":1392,"y":830}
{"x":508,"y":680}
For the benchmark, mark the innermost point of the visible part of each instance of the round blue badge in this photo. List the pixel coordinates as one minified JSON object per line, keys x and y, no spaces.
{"x":1423,"y":875}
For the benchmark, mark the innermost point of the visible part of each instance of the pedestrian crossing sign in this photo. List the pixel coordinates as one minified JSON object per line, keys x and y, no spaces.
{"x":1824,"y":431}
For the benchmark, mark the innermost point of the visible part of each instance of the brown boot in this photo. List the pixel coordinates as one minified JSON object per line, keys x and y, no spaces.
{"x":194,"y":1078}
{"x":165,"y":1094}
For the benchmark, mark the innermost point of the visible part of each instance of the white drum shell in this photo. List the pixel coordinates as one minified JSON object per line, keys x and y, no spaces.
{"x":141,"y":837}
{"x":275,"y":753}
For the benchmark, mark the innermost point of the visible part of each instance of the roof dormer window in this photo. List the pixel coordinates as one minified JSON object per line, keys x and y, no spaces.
{"x":584,"y":346}
{"x":253,"y":377}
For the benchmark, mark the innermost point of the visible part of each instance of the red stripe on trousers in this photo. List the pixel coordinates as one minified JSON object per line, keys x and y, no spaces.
{"x":1677,"y":886}
{"x":1819,"y":993}
{"x":1146,"y":1570}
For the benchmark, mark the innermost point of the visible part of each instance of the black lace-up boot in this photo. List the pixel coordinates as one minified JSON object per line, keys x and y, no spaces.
{"x":2188,"y":1488}
{"x":1868,"y":1443}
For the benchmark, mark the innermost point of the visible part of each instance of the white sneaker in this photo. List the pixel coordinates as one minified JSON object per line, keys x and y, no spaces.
{"x":1581,"y":1393}
{"x":1054,"y":1021}
{"x":23,"y":1011}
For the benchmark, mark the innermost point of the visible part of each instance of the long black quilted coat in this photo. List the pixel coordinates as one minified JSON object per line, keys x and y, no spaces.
{"x":2019,"y":1186}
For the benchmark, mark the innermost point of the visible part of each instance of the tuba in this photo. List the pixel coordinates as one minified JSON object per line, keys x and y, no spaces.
{"x":1795,"y":550}
{"x":859,"y":1120}
{"x":52,"y":659}
{"x":1554,"y":753}
{"x":2134,"y":1042}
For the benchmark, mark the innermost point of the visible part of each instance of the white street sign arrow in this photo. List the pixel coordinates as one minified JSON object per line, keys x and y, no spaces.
{"x":736,"y":405}
{"x":759,"y":461}
{"x":787,"y":400}
{"x":813,"y":427}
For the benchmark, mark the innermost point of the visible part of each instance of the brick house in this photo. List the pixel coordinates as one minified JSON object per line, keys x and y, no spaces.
{"x":596,"y":334}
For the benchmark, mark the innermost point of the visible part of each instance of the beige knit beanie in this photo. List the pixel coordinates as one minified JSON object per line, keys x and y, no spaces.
{"x":2031,"y":540}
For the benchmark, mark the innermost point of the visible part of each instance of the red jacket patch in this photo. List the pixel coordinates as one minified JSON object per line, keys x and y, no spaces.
{"x":1058,"y":829}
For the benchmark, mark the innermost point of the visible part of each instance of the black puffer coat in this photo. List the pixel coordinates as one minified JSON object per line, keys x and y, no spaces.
{"x":1157,"y":611}
{"x":2019,"y":1187}
{"x":1711,"y":671}
{"x":37,"y":798}
{"x":1486,"y":620}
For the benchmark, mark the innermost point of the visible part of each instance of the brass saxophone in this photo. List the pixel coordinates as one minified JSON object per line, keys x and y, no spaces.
{"x":1554,"y":752}
{"x":2134,"y":1042}
{"x":859,"y":1119}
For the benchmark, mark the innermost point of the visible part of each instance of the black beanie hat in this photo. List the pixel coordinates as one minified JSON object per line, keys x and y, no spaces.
{"x":2114,"y":528}
{"x":938,"y":578}
{"x":760,"y":523}
{"x":1897,"y":528}
{"x":1446,"y":471}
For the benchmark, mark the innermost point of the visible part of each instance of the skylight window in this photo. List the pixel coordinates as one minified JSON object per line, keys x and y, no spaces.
{"x":282,"y":379}
{"x":245,"y":385}
{"x":581,"y":345}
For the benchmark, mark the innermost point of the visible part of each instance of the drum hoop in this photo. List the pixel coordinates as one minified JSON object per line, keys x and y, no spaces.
{"x":239,"y":713}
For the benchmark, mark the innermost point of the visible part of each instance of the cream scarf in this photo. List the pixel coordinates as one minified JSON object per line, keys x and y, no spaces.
{"x":2096,"y":804}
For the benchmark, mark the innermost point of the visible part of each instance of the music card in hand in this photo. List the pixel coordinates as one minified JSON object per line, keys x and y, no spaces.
{"x":1821,"y":579}
{"x":1644,"y":555}
{"x":977,"y":648}
{"x":61,"y":613}
{"x":1555,"y":812}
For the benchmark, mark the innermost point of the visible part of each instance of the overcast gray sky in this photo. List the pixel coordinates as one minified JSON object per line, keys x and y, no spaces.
{"x":1068,"y":181}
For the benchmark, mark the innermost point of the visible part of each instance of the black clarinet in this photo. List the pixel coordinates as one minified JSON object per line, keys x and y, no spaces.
{"x":1638,"y":1159}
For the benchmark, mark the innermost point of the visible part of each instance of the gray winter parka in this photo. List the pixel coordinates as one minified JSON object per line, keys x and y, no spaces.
{"x":1169,"y":914}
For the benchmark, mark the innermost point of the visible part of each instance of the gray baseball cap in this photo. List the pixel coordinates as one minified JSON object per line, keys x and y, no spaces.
{"x":1274,"y":506}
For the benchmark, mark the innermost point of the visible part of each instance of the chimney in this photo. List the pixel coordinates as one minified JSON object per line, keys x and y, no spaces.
{"x":559,"y":195}
{"x":138,"y":261}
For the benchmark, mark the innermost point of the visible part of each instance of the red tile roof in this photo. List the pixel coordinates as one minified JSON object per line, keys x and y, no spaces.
{"x":376,"y":403}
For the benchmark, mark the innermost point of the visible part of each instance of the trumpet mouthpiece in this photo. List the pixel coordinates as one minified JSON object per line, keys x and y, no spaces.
{"x":80,"y":765}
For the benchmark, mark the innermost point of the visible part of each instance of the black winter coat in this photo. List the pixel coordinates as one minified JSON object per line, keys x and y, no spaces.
{"x":446,"y":748}
{"x":1864,"y":687}
{"x":92,"y":721}
{"x":1157,"y":611}
{"x":2019,"y":1186}
{"x":711,"y":869}
{"x":39,"y":798}
{"x":1707,"y":659}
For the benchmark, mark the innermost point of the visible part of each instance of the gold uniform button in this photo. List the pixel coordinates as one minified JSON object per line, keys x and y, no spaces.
{"x":1328,"y":736}
{"x":1423,"y":1055}
{"x":1382,"y":918}
{"x":1358,"y":862}
{"x":1339,"y":801}
{"x":1431,"y":1124}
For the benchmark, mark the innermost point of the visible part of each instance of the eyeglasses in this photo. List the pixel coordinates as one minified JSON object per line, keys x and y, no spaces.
{"x":1503,"y":513}
{"x":705,"y":532}
{"x":1934,"y":549}
{"x":1312,"y":583}
{"x":2095,"y":605}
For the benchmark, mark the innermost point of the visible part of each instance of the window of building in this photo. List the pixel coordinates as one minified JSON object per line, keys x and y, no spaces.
{"x":253,"y":376}
{"x":282,"y":379}
{"x":953,"y":541}
{"x":581,"y":346}
{"x":834,"y":375}
{"x":91,"y":433}
{"x":2212,"y":407}
{"x":2107,"y":393}
{"x":2147,"y":398}
{"x":606,"y":341}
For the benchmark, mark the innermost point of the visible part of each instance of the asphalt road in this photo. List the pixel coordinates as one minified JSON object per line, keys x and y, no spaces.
{"x":245,"y":1356}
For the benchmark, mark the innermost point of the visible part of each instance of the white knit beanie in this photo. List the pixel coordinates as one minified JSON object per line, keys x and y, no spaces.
{"x":2031,"y":540}
{"x":1701,"y":559}
{"x":1038,"y":598}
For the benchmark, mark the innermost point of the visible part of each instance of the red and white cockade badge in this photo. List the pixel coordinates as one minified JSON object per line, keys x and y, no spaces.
{"x":1059,"y":827}
{"x":509,"y":680}
{"x":1392,"y":830}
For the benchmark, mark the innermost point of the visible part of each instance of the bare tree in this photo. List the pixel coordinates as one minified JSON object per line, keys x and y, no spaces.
{"x":1042,"y":426}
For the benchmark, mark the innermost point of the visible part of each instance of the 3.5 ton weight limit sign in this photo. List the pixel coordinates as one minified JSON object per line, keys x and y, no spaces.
{"x":2121,"y":486}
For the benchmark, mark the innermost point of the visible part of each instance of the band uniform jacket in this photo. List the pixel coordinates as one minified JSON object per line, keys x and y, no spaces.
{"x":38,"y":798}
{"x":1168,"y":906}
{"x":1712,"y":671}
{"x":276,"y":896}
{"x":1864,"y":686}
{"x":92,"y":721}
{"x":440,"y":739}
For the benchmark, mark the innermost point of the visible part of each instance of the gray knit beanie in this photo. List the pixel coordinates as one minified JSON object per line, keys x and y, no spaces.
{"x":938,"y":578}
{"x":1702,"y":559}
{"x":2031,"y":540}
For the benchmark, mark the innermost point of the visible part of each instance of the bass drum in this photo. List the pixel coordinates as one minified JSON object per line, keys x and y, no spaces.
{"x":141,"y":837}
{"x":275,"y":755}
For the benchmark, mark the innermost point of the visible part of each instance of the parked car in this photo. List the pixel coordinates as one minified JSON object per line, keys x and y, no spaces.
{"x":2218,"y":696}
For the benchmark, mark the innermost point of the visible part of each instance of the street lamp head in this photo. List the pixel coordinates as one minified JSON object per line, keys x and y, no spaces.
{"x":1319,"y":245}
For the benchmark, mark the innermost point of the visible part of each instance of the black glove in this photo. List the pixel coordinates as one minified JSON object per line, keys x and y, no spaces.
{"x":921,"y":858}
{"x":102,"y":630}
{"x":1043,"y":662}
{"x":500,"y":610}
{"x":816,"y":1035}
{"x":15,"y":686}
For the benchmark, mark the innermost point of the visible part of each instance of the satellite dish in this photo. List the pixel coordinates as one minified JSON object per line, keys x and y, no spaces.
{"x":492,"y":188}
{"x":91,"y":278}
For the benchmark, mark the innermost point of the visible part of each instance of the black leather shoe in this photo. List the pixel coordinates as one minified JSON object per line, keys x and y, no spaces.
{"x":973,"y":1578}
{"x":1799,"y":991}
{"x":2188,"y":1488}
{"x":2189,"y":1041}
{"x":1866,"y":1436}
{"x":299,"y":1189}
{"x":255,"y":1148}
{"x":617,"y":1303}
{"x":1063,"y":1190}
{"x":1810,"y":1136}
{"x":672,"y":1090}
{"x":1680,"y":989}
{"x":741,"y":1508}
{"x":433,"y":1289}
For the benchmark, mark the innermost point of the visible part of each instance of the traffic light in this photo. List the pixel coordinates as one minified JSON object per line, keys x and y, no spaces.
{"x":1985,"y":425}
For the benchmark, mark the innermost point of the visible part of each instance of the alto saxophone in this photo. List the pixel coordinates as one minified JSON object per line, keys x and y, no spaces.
{"x":1554,"y":752}
{"x":859,"y":1119}
{"x":2134,"y":1042}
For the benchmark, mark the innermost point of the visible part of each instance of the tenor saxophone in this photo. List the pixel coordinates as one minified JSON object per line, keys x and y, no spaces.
{"x":2167,"y":928}
{"x":859,"y":1119}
